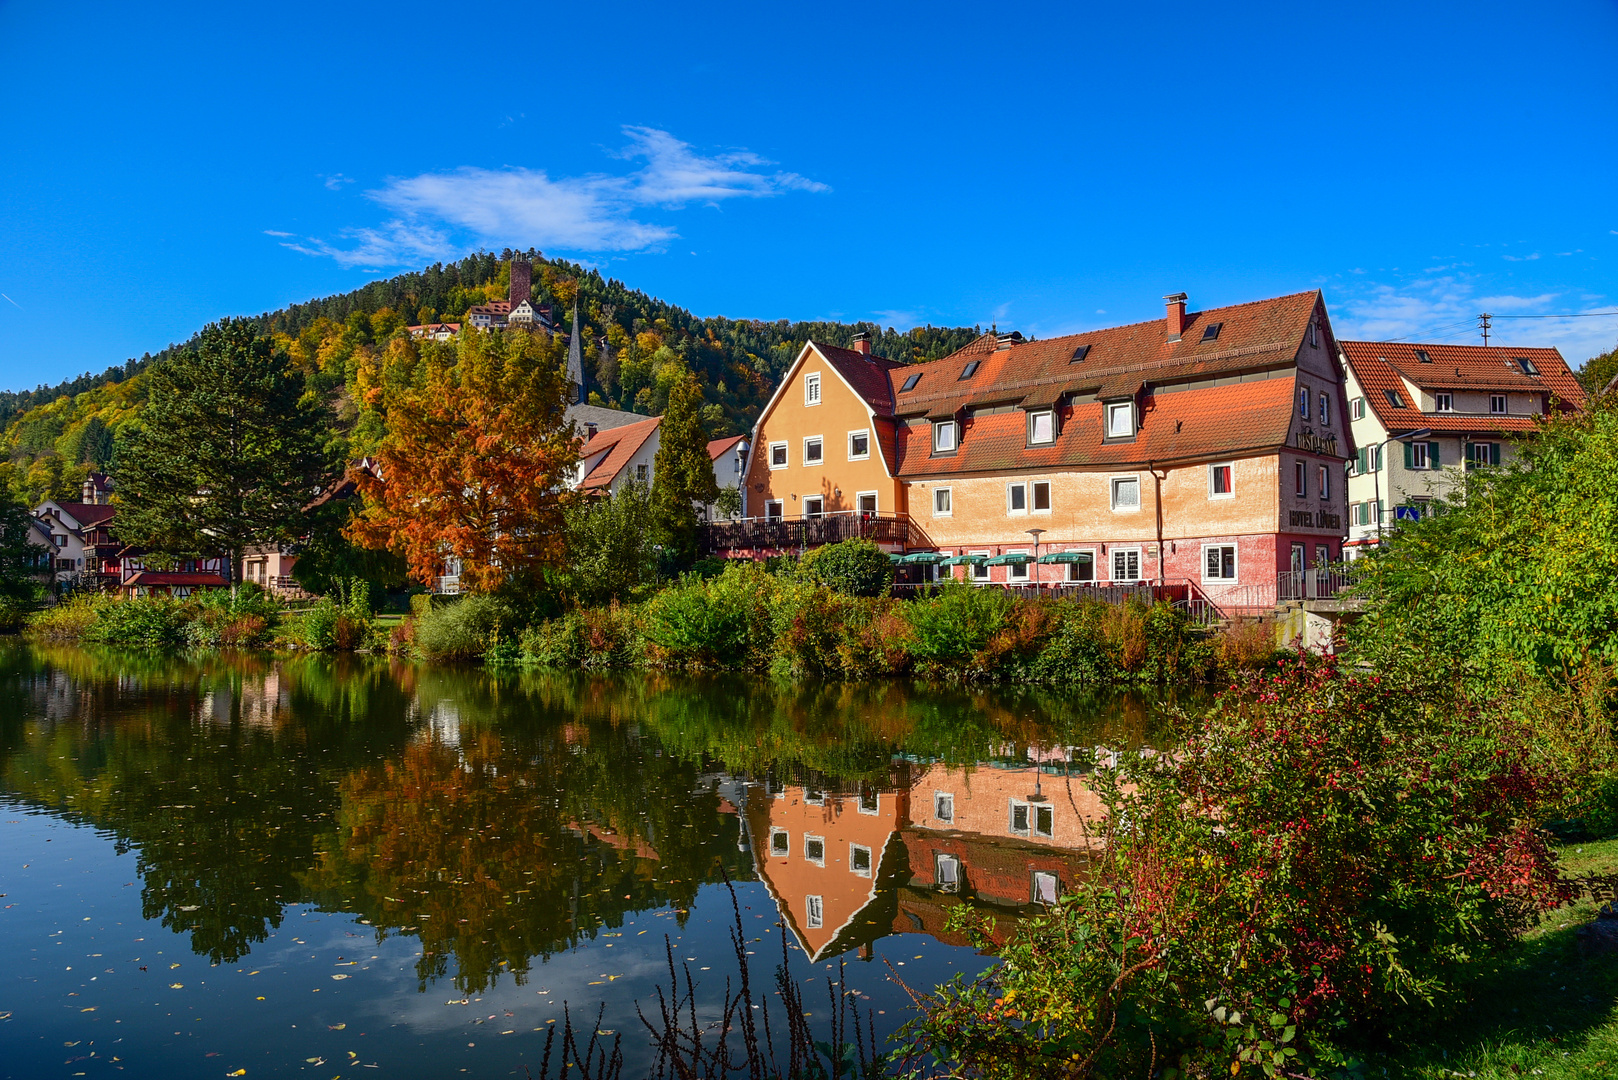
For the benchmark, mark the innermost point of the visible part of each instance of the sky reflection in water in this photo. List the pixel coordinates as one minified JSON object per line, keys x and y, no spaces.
{"x":298,"y":865}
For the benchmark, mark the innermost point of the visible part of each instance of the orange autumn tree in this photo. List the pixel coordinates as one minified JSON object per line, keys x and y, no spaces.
{"x":474,"y":461}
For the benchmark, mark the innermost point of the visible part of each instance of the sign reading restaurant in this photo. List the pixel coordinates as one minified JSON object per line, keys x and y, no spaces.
{"x":1317,"y":444}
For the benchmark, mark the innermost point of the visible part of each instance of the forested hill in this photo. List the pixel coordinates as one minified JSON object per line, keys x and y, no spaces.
{"x":635,"y":344}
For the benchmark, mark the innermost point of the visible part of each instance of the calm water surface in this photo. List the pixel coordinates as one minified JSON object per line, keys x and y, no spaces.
{"x":343,"y":867}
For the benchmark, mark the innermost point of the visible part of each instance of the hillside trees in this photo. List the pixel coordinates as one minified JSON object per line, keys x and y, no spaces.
{"x":474,"y":460}
{"x":228,"y":450}
{"x":682,"y":474}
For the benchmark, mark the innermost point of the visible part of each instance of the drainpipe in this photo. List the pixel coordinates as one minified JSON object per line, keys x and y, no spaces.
{"x":1157,"y":486}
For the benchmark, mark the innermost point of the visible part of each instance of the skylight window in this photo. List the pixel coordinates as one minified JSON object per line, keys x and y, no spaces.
{"x":1080,"y":353}
{"x":910,"y":383}
{"x":1211,"y":331}
{"x":1424,"y":356}
{"x":971,"y":369}
{"x":1527,"y":366}
{"x":1394,"y":399}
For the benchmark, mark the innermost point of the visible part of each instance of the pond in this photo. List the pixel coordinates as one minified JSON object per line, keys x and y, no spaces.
{"x":319,"y":865}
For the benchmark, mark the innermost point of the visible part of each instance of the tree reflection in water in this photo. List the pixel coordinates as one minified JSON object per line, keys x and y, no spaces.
{"x":503,"y":817}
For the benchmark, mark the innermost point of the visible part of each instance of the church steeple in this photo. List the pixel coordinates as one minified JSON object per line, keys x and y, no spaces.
{"x":575,"y":361}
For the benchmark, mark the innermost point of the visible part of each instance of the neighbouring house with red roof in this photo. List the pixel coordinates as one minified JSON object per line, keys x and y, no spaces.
{"x":1423,"y":416}
{"x":439,"y":331}
{"x":86,"y":552}
{"x":1202,"y":452}
{"x":612,"y":458}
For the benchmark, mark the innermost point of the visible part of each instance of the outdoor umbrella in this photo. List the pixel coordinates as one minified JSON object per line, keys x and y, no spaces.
{"x":1066,"y":557}
{"x":925,"y":557}
{"x":966,"y":560}
{"x":1011,"y":558}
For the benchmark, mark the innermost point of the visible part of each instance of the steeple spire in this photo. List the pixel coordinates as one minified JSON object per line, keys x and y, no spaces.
{"x":575,"y":359}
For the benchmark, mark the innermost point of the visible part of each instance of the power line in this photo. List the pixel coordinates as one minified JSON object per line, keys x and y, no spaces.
{"x":1573,"y":315}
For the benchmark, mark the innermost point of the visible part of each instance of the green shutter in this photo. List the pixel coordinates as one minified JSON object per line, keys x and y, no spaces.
{"x":1363,"y":460}
{"x":1432,"y":455}
{"x":1410,"y":459}
{"x":1494,"y":453}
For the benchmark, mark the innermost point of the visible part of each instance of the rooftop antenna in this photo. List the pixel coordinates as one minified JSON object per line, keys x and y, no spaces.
{"x":1483,"y":324}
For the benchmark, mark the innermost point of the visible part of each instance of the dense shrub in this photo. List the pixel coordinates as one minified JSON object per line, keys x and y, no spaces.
{"x":609,"y":637}
{"x":243,"y":620}
{"x":850,"y":567}
{"x":141,"y":621}
{"x":953,"y":624}
{"x":1324,"y":852}
{"x":464,"y":629}
{"x":722,"y":622}
{"x":70,"y":620}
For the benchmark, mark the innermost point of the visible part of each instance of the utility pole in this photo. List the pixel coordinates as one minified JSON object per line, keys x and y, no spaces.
{"x":1483,"y":324}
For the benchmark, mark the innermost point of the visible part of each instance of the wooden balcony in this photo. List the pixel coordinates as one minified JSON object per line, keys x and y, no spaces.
{"x":759,"y":535}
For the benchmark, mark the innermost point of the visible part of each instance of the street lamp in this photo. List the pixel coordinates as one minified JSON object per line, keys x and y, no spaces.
{"x":1035,"y":534}
{"x":1420,"y":433}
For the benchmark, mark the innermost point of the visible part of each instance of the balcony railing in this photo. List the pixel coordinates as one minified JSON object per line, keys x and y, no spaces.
{"x":789,"y":534}
{"x":1323,"y":583}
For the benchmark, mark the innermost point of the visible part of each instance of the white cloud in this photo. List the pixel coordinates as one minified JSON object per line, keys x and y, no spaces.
{"x":336,"y":180}
{"x":276,"y":232}
{"x":444,"y":213}
{"x":1521,"y":258}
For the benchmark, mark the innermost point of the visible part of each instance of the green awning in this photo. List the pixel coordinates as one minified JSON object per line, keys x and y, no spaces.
{"x":966,"y":560}
{"x":895,"y":559}
{"x":1067,"y":557}
{"x":927,"y":558}
{"x":1014,"y":558}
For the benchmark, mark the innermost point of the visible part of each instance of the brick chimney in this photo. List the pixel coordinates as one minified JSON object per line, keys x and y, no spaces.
{"x":522,"y":281}
{"x":862,"y":343}
{"x":1176,"y":302}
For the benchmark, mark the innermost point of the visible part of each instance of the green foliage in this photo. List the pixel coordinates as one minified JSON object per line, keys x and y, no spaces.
{"x":1598,"y":371}
{"x":593,"y":639}
{"x":21,"y":575}
{"x":227,"y":452}
{"x":609,"y":546}
{"x":719,"y":622}
{"x":339,"y":621}
{"x":1324,"y":851}
{"x":465,"y":629}
{"x":244,"y":620}
{"x":851,"y":567}
{"x":140,"y":621}
{"x":682,"y":474}
{"x":954,"y":623}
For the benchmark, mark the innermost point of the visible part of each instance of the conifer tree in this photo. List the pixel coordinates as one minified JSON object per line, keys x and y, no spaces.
{"x":682,"y":474}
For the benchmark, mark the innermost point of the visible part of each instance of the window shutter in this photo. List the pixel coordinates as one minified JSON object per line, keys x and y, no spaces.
{"x":1494,"y":453}
{"x":1363,"y":464}
{"x":1432,"y":455}
{"x":1410,"y":460}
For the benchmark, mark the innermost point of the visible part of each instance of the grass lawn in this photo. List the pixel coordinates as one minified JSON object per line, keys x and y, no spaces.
{"x":1543,"y":1010}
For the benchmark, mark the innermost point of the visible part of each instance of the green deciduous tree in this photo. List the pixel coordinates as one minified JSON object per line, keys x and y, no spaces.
{"x":227,"y":452}
{"x":682,"y":474}
{"x":609,"y":545}
{"x":20,"y":574}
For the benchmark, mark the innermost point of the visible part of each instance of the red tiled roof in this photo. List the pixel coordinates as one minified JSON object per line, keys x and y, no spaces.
{"x":1203,"y":423}
{"x":1381,"y":366}
{"x":152,"y":577}
{"x":1120,"y":360}
{"x":717,"y":447}
{"x":493,"y":307}
{"x":620,"y":444}
{"x":868,"y":375}
{"x":88,"y":514}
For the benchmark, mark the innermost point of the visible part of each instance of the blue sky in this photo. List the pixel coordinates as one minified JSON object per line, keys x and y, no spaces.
{"x":1046,"y":167}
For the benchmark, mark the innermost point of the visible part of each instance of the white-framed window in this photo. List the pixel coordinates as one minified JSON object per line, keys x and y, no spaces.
{"x":1041,"y":496}
{"x":1324,"y":482}
{"x":814,"y":450}
{"x":1322,"y":556}
{"x":865,"y":502}
{"x":943,"y":502}
{"x":980,"y":572}
{"x":1325,"y":411}
{"x":859,"y":445}
{"x":1021,"y":819}
{"x":870,"y":800}
{"x":944,"y":437}
{"x":814,"y":912}
{"x":814,"y":796}
{"x":944,"y":806}
{"x":1314,"y":333}
{"x":1017,"y":572}
{"x":814,"y":506}
{"x":1497,"y":403}
{"x":947,"y":872}
{"x":1126,"y":564}
{"x":780,"y":842}
{"x":1219,"y":562}
{"x":1356,"y":409}
{"x":859,"y":860}
{"x":1126,"y":493}
{"x":1017,"y":498}
{"x":1443,"y":403}
{"x":1480,"y":454}
{"x":1222,"y":481}
{"x":1044,"y":819}
{"x":1045,"y":887}
{"x":1419,"y":458}
{"x":640,"y":473}
{"x":778,"y":455}
{"x":774,"y":510}
{"x":1300,"y":478}
{"x":1041,"y":427}
{"x":1121,"y":420}
{"x":811,"y":388}
{"x":1303,"y":402}
{"x":1084,"y":570}
{"x":814,"y":849}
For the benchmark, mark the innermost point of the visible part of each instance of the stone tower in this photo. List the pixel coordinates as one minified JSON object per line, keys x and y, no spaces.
{"x":522,"y":281}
